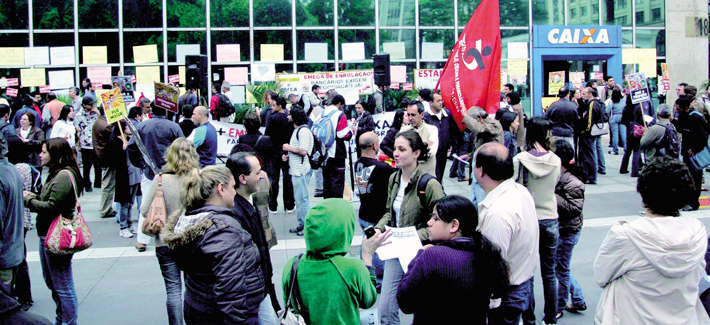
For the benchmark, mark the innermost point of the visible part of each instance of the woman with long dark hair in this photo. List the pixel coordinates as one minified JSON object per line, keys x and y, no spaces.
{"x":618,"y":130}
{"x":387,"y":144}
{"x":632,"y":116}
{"x":58,"y":197}
{"x":459,"y":274}
{"x":64,"y":127}
{"x":32,"y":136}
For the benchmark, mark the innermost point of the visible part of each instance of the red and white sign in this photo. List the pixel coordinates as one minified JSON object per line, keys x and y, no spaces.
{"x":44,"y":89}
{"x":426,"y":78}
{"x":12,"y":92}
{"x":98,"y":85}
{"x":13,"y":82}
{"x":408,"y":86}
{"x":394,"y":85}
{"x":133,"y":79}
{"x":597,"y":76}
{"x":174,"y":79}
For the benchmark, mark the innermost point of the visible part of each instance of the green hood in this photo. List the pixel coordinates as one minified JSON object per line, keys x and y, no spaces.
{"x":329,"y":228}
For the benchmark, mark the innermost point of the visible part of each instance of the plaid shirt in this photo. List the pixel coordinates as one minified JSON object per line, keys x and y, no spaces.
{"x":26,"y":173}
{"x":85,"y":121}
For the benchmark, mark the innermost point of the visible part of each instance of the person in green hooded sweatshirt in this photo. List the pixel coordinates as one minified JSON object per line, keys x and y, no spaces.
{"x":333,"y":287}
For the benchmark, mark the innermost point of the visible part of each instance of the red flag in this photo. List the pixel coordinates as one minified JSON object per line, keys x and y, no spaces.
{"x":471,"y":76}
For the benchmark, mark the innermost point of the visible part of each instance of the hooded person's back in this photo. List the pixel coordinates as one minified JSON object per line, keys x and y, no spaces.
{"x":650,"y":269}
{"x":543,"y":172}
{"x":332,"y":287}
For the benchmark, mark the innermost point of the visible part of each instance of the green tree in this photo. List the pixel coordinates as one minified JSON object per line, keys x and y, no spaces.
{"x":186,"y":13}
{"x":98,"y":14}
{"x":13,"y":14}
{"x":53,"y":14}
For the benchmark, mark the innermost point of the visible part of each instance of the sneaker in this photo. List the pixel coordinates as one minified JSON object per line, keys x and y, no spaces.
{"x":125,"y":233}
{"x":576,"y":308}
{"x":273,"y":211}
{"x":291,"y":210}
{"x":296,"y":230}
{"x":134,"y":229}
{"x":140,"y":247}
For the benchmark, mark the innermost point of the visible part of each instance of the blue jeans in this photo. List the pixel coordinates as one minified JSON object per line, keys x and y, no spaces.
{"x":512,"y":305}
{"x":549,"y":238}
{"x":566,"y":282}
{"x":476,"y":194}
{"x":125,"y":212}
{"x":377,"y":263}
{"x":618,"y":133}
{"x":388,"y":306}
{"x":300,"y":196}
{"x":601,"y":163}
{"x":57,"y":273}
{"x":173,"y":284}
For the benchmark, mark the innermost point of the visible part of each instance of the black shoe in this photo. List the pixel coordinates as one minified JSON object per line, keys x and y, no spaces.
{"x":88,"y":190}
{"x":623,"y":172}
{"x":97,"y":185}
{"x":600,"y":172}
{"x":110,"y":215}
{"x":26,"y":306}
{"x":590,"y":182}
{"x":616,"y":153}
{"x":297,"y":230}
{"x":576,"y":308}
{"x":453,"y":176}
{"x":318,"y":194}
{"x":689,"y":208}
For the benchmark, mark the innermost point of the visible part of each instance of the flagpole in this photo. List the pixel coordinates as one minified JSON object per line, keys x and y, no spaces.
{"x":438,"y":82}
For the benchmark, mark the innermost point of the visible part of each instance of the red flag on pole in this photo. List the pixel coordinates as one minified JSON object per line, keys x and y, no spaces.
{"x":471,"y":76}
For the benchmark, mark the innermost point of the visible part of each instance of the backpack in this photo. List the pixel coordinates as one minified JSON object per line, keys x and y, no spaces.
{"x":371,"y":103}
{"x":225,"y":107}
{"x":421,"y":190}
{"x":318,"y":155}
{"x":324,"y":130}
{"x":669,"y":145}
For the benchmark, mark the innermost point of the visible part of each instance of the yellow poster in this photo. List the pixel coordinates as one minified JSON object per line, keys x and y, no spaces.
{"x":145,"y":54}
{"x":557,"y":81}
{"x":518,"y":67}
{"x":645,"y":58}
{"x":32,"y":77}
{"x":272,"y":52}
{"x":181,"y":73}
{"x":114,"y":106}
{"x":12,"y":56}
{"x":547,"y":101}
{"x":147,"y":75}
{"x":95,"y":55}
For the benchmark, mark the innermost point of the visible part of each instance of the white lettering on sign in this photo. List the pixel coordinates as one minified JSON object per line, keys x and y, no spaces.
{"x":578,"y":36}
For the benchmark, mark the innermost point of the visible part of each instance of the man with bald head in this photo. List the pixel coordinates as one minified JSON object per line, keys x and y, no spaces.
{"x":204,"y":136}
{"x":507,"y":218}
{"x":372,"y":179}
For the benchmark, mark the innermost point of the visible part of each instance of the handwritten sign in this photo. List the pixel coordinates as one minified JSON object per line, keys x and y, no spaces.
{"x":62,"y":55}
{"x":62,"y":79}
{"x":37,"y":55}
{"x":166,"y":96}
{"x":272,"y":52}
{"x":95,"y":54}
{"x":33,"y":77}
{"x":228,"y":53}
{"x":114,"y":106}
{"x":145,"y":54}
{"x":12,"y":56}
{"x":99,"y":74}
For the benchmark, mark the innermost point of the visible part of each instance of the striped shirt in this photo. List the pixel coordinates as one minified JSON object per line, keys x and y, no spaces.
{"x":508,"y":219}
{"x":299,"y":165}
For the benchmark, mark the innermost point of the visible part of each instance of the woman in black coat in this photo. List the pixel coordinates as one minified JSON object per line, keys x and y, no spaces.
{"x":387,"y":144}
{"x":32,"y":137}
{"x":364,"y":123}
{"x":631,"y":116}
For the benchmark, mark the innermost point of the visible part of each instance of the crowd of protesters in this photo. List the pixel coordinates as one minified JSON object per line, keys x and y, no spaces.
{"x":527,"y":179}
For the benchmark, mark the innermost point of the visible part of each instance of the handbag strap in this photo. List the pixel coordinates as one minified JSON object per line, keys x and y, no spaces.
{"x":159,"y":179}
{"x":73,"y":184}
{"x":293,"y":292}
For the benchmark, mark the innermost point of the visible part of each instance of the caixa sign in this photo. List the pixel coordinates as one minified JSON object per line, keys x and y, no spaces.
{"x":576,"y":36}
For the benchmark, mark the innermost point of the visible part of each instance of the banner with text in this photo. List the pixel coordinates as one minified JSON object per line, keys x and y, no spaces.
{"x":114,"y":106}
{"x":350,"y":84}
{"x":426,"y":78}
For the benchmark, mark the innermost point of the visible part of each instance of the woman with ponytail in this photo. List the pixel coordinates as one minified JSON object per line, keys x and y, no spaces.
{"x":223,"y":283}
{"x":462,"y":271}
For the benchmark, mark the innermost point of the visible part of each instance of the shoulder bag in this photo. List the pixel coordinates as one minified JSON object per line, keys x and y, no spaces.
{"x":156,"y":216}
{"x":597,"y":129}
{"x":289,"y":315}
{"x":69,"y":236}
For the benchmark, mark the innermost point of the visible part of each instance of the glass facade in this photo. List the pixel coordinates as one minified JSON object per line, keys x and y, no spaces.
{"x":417,"y":24}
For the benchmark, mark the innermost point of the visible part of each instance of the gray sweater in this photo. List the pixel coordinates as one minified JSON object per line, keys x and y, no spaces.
{"x":172,"y":185}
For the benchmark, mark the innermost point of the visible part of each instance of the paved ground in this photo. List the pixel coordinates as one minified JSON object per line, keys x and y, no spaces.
{"x":117,"y":285}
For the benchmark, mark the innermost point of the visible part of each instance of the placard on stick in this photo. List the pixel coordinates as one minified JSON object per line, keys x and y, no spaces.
{"x":125,"y":85}
{"x":114,"y":106}
{"x":166,"y":96}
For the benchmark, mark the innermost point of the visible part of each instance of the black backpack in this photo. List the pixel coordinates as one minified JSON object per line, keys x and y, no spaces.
{"x":319,"y":153}
{"x":225,"y":107}
{"x":421,"y":190}
{"x":669,"y":145}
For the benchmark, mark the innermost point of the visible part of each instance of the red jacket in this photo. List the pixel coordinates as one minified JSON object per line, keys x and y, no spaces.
{"x":214,"y":104}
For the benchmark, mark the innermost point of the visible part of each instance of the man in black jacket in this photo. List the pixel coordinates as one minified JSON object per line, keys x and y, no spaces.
{"x":442,"y":119}
{"x":247,"y":172}
{"x":562,"y":114}
{"x":587,"y":146}
{"x":695,"y":136}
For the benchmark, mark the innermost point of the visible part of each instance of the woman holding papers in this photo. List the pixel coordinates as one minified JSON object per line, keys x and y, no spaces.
{"x":463,"y":270}
{"x":410,"y":200}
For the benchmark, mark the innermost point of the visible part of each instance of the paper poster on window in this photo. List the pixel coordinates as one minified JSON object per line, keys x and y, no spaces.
{"x":185,"y":49}
{"x":263,"y":72}
{"x":353,"y":51}
{"x":556,"y":81}
{"x":228,"y":53}
{"x":37,"y":55}
{"x":99,"y":74}
{"x":125,"y":85}
{"x":33,"y":77}
{"x":426,"y":78}
{"x":645,"y":58}
{"x":237,"y":76}
{"x":316,"y":51}
{"x":95,"y":54}
{"x":12,"y":56}
{"x":62,"y":79}
{"x":518,"y":79}
{"x":181,"y":74}
{"x":272,"y":52}
{"x":395,"y":49}
{"x":113,"y":104}
{"x":147,"y":75}
{"x":238,"y":94}
{"x":398,"y":73}
{"x":145,"y":53}
{"x":432,"y":51}
{"x":166,"y":96}
{"x":518,"y":67}
{"x":503,"y":77}
{"x":517,"y":50}
{"x":62,"y":55}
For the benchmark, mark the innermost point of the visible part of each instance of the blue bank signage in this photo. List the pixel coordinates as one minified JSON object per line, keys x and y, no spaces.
{"x":576,"y":36}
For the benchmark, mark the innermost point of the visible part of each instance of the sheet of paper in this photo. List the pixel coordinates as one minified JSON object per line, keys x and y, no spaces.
{"x":3,"y":82}
{"x":351,"y":95}
{"x":517,"y":67}
{"x":95,"y":54}
{"x":99,"y":74}
{"x":517,"y":50}
{"x":398,"y":73}
{"x":353,"y":51}
{"x":62,"y":55}
{"x":432,"y":51}
{"x":461,"y":161}
{"x":147,"y":75}
{"x":33,"y":77}
{"x":316,"y":51}
{"x":181,"y":73}
{"x":645,"y":58}
{"x":395,"y":49}
{"x":185,"y":49}
{"x":272,"y":52}
{"x":263,"y":72}
{"x":238,"y":94}
{"x":12,"y":56}
{"x":145,"y":53}
{"x":228,"y":53}
{"x":37,"y":55}
{"x":404,"y":245}
{"x":61,"y":79}
{"x":147,"y":90}
{"x":237,"y":76}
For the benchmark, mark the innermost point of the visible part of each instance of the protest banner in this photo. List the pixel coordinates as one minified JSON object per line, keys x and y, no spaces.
{"x":426,"y":78}
{"x":11,"y":92}
{"x":408,"y":86}
{"x":44,"y":89}
{"x":666,"y":77}
{"x":13,"y":82}
{"x":114,"y":106}
{"x":394,"y":85}
{"x":638,"y":87}
{"x":125,"y":85}
{"x":346,"y":83}
{"x":166,"y":96}
{"x":174,"y":78}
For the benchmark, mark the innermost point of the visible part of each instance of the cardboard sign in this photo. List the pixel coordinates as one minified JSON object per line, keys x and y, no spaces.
{"x":166,"y":96}
{"x":99,"y":74}
{"x":638,"y":87}
{"x":124,"y":84}
{"x":33,"y":77}
{"x":12,"y":92}
{"x":174,"y":78}
{"x":426,"y":78}
{"x":394,"y":85}
{"x":13,"y":82}
{"x":114,"y":106}
{"x":44,"y":89}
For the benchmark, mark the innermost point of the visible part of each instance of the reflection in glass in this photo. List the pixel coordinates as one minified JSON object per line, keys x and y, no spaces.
{"x":52,"y":14}
{"x":436,"y":13}
{"x":98,"y":14}
{"x":15,"y":40}
{"x":314,"y":36}
{"x":276,"y":13}
{"x":231,"y":37}
{"x":627,"y":37}
{"x":186,"y":13}
{"x":513,"y":13}
{"x":650,"y":38}
{"x":616,"y":12}
{"x":175,"y":38}
{"x":446,"y":36}
{"x":314,"y":12}
{"x":583,"y":12}
{"x":397,"y":12}
{"x":53,"y":39}
{"x":131,"y":39}
{"x":507,"y":36}
{"x":549,"y":12}
{"x":110,"y":40}
{"x":142,"y":14}
{"x":399,"y":35}
{"x":356,"y":12}
{"x":273,"y":37}
{"x":366,"y":36}
{"x":652,"y":12}
{"x":230,"y":13}
{"x":316,"y":67}
{"x":13,"y":14}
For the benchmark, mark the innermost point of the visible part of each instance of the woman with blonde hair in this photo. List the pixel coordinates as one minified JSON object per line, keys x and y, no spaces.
{"x":223,"y":282}
{"x":181,"y":158}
